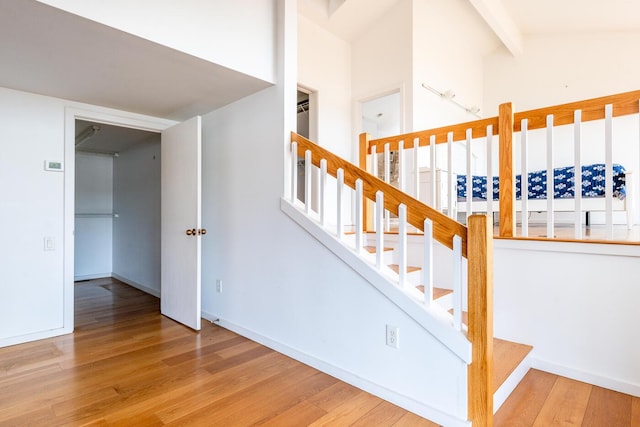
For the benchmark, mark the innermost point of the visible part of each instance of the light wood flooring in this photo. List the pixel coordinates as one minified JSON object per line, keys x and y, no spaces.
{"x":128,"y":365}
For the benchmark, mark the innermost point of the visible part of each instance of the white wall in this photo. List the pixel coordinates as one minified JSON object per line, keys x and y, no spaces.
{"x":215,"y":30}
{"x":282,"y":287}
{"x":578,"y":310}
{"x":324,"y":67}
{"x":559,"y":68}
{"x":136,"y":231}
{"x":449,"y":42}
{"x":93,"y":224}
{"x":382,"y":61}
{"x":31,"y":208}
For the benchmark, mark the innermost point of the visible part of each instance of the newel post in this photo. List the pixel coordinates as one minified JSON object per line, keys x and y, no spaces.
{"x":367,"y":220}
{"x":480,"y":308}
{"x":507,"y":175}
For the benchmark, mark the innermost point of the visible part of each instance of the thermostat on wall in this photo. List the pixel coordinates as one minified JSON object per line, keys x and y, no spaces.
{"x":53,"y":166}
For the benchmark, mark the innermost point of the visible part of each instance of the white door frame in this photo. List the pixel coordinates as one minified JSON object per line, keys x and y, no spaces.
{"x":100,"y":115}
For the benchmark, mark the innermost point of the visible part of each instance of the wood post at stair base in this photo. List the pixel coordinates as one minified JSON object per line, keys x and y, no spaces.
{"x":480,"y":308}
{"x":367,"y":220}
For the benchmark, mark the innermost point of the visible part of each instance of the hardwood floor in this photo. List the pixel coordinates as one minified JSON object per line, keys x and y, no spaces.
{"x":128,"y":365}
{"x":544,"y":399}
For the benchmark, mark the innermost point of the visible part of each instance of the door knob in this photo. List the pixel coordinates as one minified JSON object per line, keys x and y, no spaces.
{"x":191,"y":232}
{"x":202,"y":231}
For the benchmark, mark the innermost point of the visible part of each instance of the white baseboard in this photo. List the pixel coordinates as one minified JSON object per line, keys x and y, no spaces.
{"x":91,"y":277}
{"x":20,"y":339}
{"x":405,"y":402}
{"x":133,"y":283}
{"x":587,"y":377}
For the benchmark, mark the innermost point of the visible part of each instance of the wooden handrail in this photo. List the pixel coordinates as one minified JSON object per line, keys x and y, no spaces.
{"x":592,"y":109}
{"x":444,"y":228}
{"x":478,"y":130}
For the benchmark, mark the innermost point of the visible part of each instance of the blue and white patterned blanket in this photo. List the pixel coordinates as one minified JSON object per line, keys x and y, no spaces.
{"x":593,"y":177}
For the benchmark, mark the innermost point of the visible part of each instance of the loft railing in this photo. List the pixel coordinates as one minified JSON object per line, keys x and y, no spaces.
{"x":473,"y":242}
{"x":496,"y":141}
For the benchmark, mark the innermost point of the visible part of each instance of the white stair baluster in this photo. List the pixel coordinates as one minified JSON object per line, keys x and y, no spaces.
{"x":457,"y":282}
{"x":451,"y":199}
{"x":359,"y":217}
{"x":387,"y":178}
{"x":577,"y":172}
{"x":490,"y":172}
{"x":339,"y":189}
{"x":427,"y":268}
{"x":433,"y":164}
{"x":323,"y":186}
{"x":550,"y":177}
{"x":416,"y":174}
{"x":401,"y":166}
{"x":524,"y":176}
{"x":374,"y":172}
{"x":608,"y":171}
{"x":307,"y":181}
{"x":294,"y":172}
{"x":402,"y":245}
{"x":469,"y":198}
{"x":379,"y":229}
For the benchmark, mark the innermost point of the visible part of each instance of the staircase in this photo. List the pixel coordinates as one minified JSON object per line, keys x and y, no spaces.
{"x":510,"y":359}
{"x":463,"y":387}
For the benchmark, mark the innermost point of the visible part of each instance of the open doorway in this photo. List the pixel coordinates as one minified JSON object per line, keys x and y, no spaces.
{"x":117,"y":205}
{"x":381,"y":116}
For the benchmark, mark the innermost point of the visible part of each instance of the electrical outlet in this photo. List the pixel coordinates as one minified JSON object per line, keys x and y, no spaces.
{"x":219,"y":285}
{"x":393,"y":336}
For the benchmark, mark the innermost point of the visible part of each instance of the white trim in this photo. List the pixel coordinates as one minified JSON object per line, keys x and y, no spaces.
{"x":587,"y":377}
{"x":612,"y":249}
{"x":349,"y":377}
{"x":91,"y":277}
{"x":433,"y":319}
{"x":139,"y":286}
{"x":102,"y":115}
{"x":21,"y":339}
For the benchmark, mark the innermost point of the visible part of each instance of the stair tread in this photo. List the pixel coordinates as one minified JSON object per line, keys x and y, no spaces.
{"x":410,"y":269}
{"x":372,"y":249}
{"x":507,"y":356}
{"x":437,"y":292}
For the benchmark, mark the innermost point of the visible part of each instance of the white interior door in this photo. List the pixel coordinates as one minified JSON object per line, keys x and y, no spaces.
{"x":181,"y":227}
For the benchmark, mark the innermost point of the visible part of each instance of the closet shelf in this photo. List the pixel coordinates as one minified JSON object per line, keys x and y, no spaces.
{"x":97,"y":215}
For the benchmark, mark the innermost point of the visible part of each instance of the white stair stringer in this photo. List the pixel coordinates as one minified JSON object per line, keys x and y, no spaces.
{"x":435,"y":320}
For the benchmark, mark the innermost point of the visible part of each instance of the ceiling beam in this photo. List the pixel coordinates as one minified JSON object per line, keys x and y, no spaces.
{"x":499,"y":20}
{"x":334,"y":5}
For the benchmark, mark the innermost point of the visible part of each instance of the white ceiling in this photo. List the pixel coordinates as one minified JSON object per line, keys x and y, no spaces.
{"x":47,"y":51}
{"x":111,"y":139}
{"x":352,"y":18}
{"x":563,"y":16}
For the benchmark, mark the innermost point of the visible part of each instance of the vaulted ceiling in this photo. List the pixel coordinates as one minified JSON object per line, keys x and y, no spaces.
{"x":510,"y":20}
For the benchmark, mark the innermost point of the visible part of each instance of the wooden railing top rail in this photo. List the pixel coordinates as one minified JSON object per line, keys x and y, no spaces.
{"x":478,"y":130}
{"x":592,"y":109}
{"x":444,"y":228}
